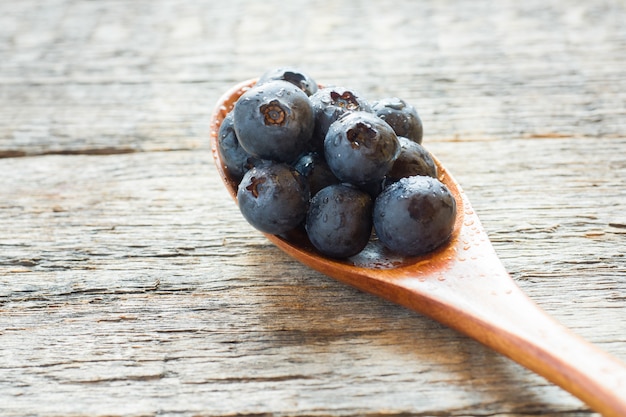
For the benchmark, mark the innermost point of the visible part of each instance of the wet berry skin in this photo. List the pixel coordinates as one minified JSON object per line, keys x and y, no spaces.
{"x":414,"y":215}
{"x":293,"y":75}
{"x":273,"y":197}
{"x":413,"y":160}
{"x":329,"y":104}
{"x":314,"y":168}
{"x":360,"y":148}
{"x":401,"y":116}
{"x":274,"y":121}
{"x":339,"y":222}
{"x":235,"y":158}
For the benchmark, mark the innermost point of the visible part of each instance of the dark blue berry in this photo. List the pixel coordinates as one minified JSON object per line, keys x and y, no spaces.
{"x":273,"y":197}
{"x":236,"y":160}
{"x":329,"y":104}
{"x":293,"y":75}
{"x":339,"y":222}
{"x":375,"y":187}
{"x":360,"y":148}
{"x":314,"y":168}
{"x":413,"y":160}
{"x":414,"y":215}
{"x":274,"y":121}
{"x":402,"y":117}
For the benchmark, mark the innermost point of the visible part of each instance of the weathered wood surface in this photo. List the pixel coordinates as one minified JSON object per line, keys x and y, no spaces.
{"x":130,"y":285}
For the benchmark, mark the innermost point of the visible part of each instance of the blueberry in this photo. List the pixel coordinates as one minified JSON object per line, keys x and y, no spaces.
{"x":360,"y":148}
{"x":293,"y":75}
{"x":235,"y":158}
{"x":339,"y":222}
{"x":329,"y":104}
{"x":402,"y":117}
{"x":274,"y":121}
{"x":374,"y":188}
{"x":314,"y":168}
{"x":414,"y":215}
{"x":273,"y":197}
{"x":413,"y":160}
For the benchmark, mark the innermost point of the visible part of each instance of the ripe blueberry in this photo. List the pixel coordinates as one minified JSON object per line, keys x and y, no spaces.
{"x":235,"y":158}
{"x":402,"y":117}
{"x":293,"y":75}
{"x":274,"y":121}
{"x":273,"y":197}
{"x":329,"y":104}
{"x":339,"y":222}
{"x":360,"y":148}
{"x":314,"y":168}
{"x":414,"y":215}
{"x":413,"y":160}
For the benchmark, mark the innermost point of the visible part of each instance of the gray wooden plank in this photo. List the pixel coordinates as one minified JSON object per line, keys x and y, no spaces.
{"x":137,"y":271}
{"x":130,"y":285}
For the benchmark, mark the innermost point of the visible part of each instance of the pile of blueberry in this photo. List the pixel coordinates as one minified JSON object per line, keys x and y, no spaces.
{"x":324,"y":159}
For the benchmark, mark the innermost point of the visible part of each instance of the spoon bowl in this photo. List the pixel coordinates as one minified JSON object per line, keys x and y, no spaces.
{"x":463,"y":285}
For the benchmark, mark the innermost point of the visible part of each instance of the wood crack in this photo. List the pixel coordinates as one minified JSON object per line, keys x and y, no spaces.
{"x":90,"y":151}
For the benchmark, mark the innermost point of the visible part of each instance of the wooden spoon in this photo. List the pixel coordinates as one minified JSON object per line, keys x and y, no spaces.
{"x":464,"y":286}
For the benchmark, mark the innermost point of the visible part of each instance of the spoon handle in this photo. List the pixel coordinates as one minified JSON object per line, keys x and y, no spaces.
{"x":473,"y":293}
{"x":520,"y":330}
{"x":477,"y":297}
{"x":480,"y":299}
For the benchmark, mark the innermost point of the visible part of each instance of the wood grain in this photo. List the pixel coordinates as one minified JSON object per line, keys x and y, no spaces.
{"x":130,"y":285}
